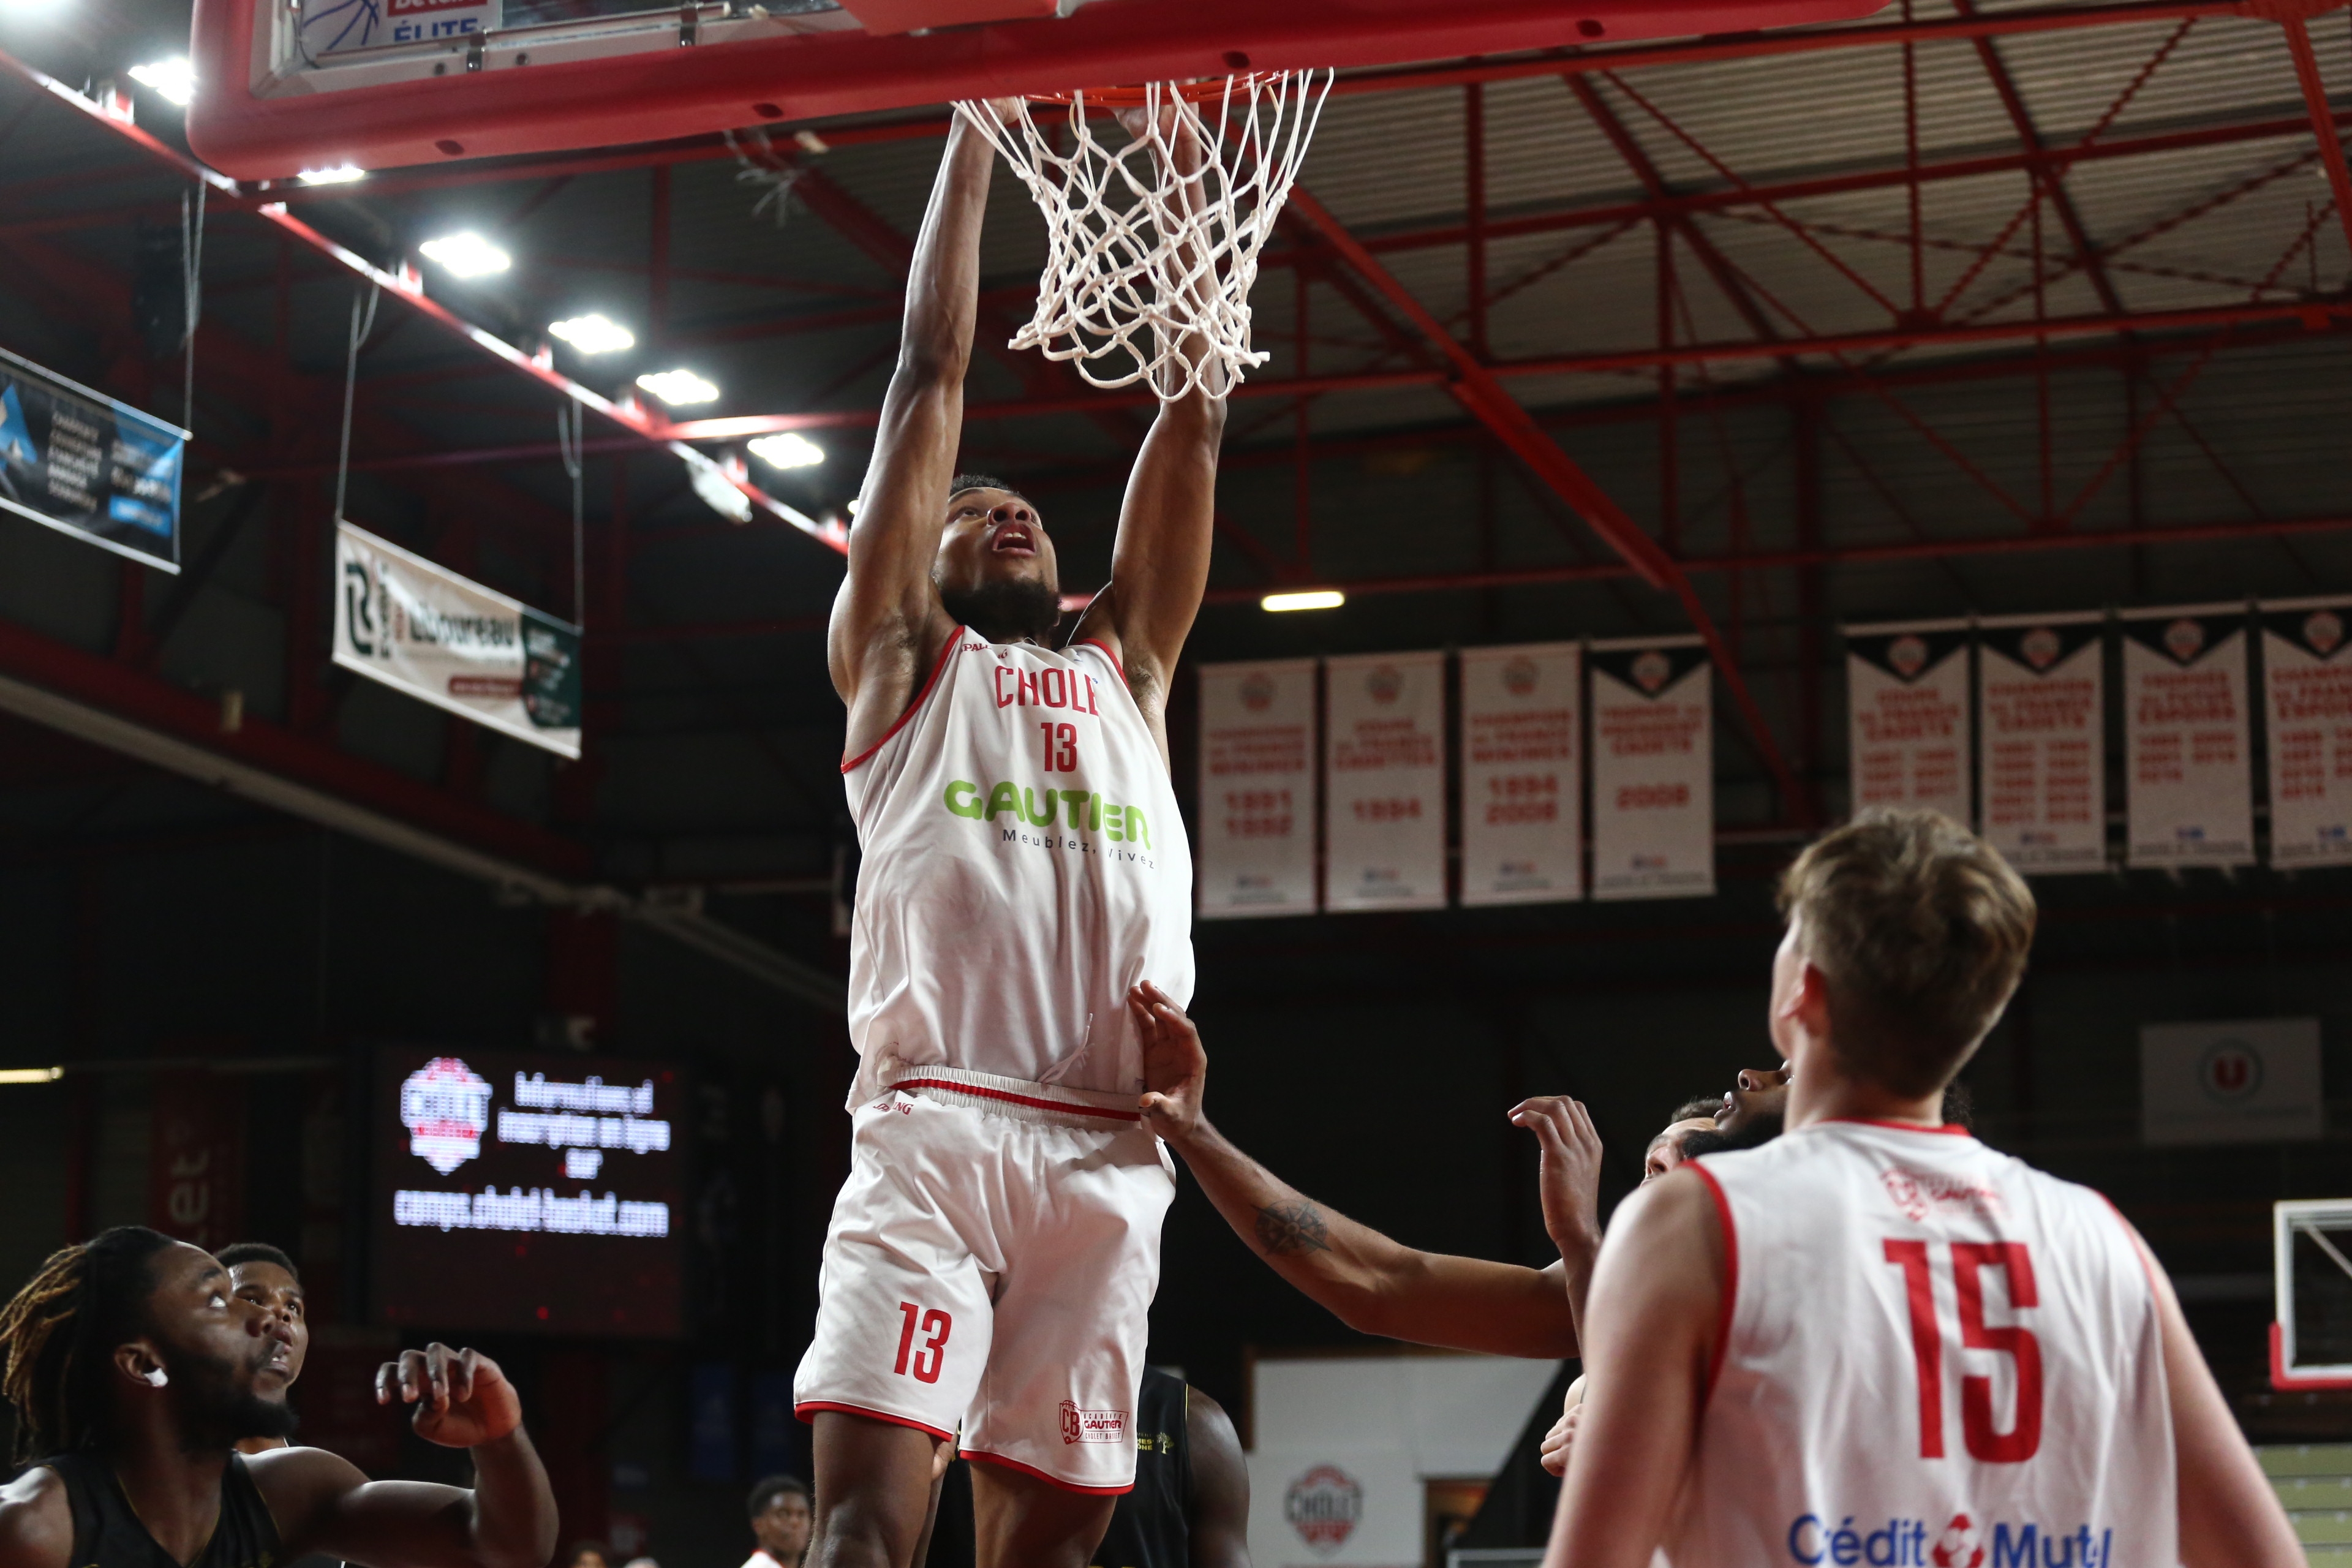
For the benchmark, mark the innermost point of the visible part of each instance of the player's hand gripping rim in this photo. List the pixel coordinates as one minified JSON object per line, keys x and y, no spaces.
{"x":463,"y":1400}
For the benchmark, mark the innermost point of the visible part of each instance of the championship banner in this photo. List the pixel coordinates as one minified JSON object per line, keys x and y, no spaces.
{"x":1254,"y":840}
{"x":1907,"y":717}
{"x":1652,"y":768}
{"x":404,"y":621}
{"x":2188,"y":747}
{"x":2307,"y":696}
{"x":1384,"y":834}
{"x":1522,"y":826}
{"x":2042,"y":769}
{"x":86,"y":464}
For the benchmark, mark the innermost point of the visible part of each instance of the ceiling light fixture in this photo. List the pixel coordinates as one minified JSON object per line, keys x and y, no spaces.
{"x":174,"y":79}
{"x":789,"y":449}
{"x":466,"y":255}
{"x":336,"y":175}
{"x":1312,"y":599}
{"x":594,"y":335}
{"x":676,"y":386}
{"x":31,"y":1075}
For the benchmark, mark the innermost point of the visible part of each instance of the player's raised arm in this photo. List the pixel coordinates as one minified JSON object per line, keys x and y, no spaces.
{"x":1373,"y":1284}
{"x":1159,"y":561}
{"x":887,"y":622}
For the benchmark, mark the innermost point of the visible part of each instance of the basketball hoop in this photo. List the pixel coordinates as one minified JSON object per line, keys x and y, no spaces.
{"x":1138,"y":258}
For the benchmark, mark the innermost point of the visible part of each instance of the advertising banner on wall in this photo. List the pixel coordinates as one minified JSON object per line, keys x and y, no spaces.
{"x":2307,"y":698}
{"x":2041,"y":761}
{"x":2252,"y":1081}
{"x":1907,"y":715}
{"x":424,"y":630}
{"x":1384,"y":773}
{"x":195,"y":1170}
{"x":86,"y":464}
{"x":1522,"y":794}
{"x":2188,"y":745}
{"x":1652,"y":768}
{"x":1254,"y":840}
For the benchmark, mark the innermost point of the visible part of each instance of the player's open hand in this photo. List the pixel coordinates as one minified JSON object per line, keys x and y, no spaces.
{"x":1553,"y":1455}
{"x":1568,"y":1176}
{"x":1175,"y":1068}
{"x":462,"y":1399}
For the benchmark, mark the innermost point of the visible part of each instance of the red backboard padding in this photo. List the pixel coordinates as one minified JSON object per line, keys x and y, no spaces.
{"x":884,"y":17}
{"x":682,"y":91}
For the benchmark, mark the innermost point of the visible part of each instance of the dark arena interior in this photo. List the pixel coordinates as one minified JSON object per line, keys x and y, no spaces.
{"x":1995,"y":319}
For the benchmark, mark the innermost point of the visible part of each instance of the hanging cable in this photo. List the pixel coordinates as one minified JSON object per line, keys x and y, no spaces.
{"x":360,"y":328}
{"x":192,"y":298}
{"x":568,"y":415}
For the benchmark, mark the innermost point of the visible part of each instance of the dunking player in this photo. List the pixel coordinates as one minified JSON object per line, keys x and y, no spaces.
{"x":993,"y":1254}
{"x":1874,"y":1339}
{"x":134,"y":1372}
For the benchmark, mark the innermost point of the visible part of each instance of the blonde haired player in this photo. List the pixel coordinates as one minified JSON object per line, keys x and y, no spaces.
{"x":1875,"y":1339}
{"x":993,"y":1254}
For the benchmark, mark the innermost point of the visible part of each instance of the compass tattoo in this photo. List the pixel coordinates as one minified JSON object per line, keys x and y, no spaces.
{"x":1292,"y":1227}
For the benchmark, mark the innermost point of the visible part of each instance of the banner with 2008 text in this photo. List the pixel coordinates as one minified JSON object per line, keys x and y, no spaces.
{"x":1652,"y":768}
{"x":2307,"y":700}
{"x":1907,"y":715}
{"x":1254,"y":840}
{"x":1384,"y":782}
{"x":2042,"y":769}
{"x":2188,"y":743}
{"x":1522,"y":829}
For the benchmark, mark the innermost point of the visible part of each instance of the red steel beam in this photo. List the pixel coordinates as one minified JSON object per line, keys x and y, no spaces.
{"x":2323,"y":120}
{"x":1476,"y":389}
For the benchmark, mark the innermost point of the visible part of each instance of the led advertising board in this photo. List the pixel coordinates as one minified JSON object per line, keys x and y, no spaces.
{"x":528,"y":1191}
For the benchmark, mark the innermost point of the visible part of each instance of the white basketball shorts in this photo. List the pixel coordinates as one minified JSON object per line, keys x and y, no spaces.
{"x":991,"y":1262}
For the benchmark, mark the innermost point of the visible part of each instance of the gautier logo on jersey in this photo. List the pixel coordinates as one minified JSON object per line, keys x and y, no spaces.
{"x":1959,"y":1543}
{"x":1079,"y":810}
{"x":1080,"y":1425}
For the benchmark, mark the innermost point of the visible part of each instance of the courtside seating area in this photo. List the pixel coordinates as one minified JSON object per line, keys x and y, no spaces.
{"x":2315,"y":1481}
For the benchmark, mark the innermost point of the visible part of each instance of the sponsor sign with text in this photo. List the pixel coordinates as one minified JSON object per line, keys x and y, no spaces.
{"x":2253,"y":1080}
{"x":86,"y":464}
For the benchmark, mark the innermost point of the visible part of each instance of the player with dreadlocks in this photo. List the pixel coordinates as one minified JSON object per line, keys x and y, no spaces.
{"x":135,"y":1370}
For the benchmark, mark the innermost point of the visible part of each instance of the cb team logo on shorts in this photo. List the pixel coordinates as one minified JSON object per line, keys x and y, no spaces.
{"x":1092,"y":1425}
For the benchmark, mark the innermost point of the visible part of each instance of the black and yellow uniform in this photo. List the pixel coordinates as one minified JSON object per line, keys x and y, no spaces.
{"x":108,"y":1534}
{"x":1152,"y":1527}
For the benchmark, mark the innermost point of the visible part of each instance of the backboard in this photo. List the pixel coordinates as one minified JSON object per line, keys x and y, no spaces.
{"x":289,"y":85}
{"x":2311,"y":1339}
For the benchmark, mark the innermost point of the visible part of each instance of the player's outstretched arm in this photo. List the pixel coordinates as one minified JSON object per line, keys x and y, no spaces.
{"x":1657,"y":1297}
{"x":1369,"y":1282}
{"x":887,"y":623}
{"x":2230,"y":1516}
{"x":1218,"y":1510}
{"x":1160,"y":560}
{"x":506,"y":1520}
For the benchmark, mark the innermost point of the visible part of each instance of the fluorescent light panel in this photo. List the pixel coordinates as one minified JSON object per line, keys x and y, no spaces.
{"x":788,"y":450}
{"x":1313,"y":599}
{"x":336,"y":175}
{"x":466,"y":255}
{"x":31,"y":1075}
{"x":174,"y":80}
{"x":594,"y":335}
{"x":678,"y":386}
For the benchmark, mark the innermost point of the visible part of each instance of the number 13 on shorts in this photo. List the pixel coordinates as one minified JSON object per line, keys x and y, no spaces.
{"x":922,"y":1363}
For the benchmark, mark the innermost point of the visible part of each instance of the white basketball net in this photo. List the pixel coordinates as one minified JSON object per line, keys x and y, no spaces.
{"x":1138,"y":258}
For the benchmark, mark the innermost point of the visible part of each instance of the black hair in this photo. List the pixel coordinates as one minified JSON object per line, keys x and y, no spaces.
{"x":963,"y":482}
{"x":59,"y":1333}
{"x":1754,"y":1135}
{"x":770,"y":1488}
{"x":1959,"y":1105}
{"x":1691,"y":1109}
{"x":237,"y":1252}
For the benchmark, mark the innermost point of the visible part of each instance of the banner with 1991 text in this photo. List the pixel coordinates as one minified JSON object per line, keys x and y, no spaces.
{"x":1385,"y":771}
{"x":2041,"y":771}
{"x":1254,"y":840}
{"x":1522,"y":788}
{"x":1907,"y":715}
{"x":2188,"y":743}
{"x":2307,"y":696}
{"x":420,"y":628}
{"x":1652,"y":768}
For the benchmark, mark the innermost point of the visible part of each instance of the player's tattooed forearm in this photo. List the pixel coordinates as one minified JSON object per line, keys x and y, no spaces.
{"x":1292,"y":1227}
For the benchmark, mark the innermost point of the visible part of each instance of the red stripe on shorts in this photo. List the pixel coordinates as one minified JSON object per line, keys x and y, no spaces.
{"x":808,"y":1413}
{"x":1049,"y":1480}
{"x":1033,"y":1103}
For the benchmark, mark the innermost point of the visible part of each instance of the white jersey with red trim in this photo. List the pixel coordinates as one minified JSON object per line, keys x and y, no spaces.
{"x":1934,"y":1356}
{"x":1024,"y":865}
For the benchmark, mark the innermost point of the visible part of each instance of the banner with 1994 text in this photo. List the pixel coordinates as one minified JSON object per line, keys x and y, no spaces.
{"x":1254,"y":840}
{"x":2308,"y":678}
{"x":1522,"y":788}
{"x":2188,"y":743}
{"x":424,"y":630}
{"x":2041,"y":771}
{"x":1384,"y":832}
{"x":1652,"y":768}
{"x":1908,"y":717}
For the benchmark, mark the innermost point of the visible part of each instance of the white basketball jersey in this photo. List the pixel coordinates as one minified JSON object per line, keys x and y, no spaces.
{"x":1024,"y":865}
{"x":1936,"y":1357}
